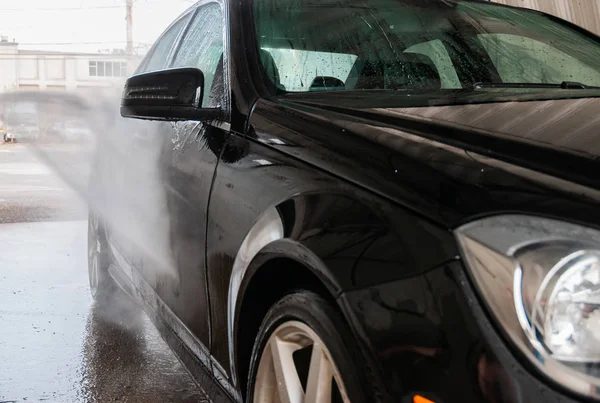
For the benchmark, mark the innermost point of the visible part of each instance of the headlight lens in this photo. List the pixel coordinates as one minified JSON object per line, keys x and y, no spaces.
{"x":541,"y":281}
{"x":571,"y":316}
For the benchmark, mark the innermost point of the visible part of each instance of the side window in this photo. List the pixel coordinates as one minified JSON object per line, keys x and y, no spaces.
{"x":519,"y":59}
{"x":203,"y":48}
{"x":157,"y":60}
{"x":437,"y":53}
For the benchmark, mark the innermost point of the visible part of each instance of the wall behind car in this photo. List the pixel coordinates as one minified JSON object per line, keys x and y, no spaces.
{"x":585,"y":13}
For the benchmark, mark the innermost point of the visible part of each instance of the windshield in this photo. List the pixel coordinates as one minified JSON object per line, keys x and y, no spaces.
{"x":423,"y":45}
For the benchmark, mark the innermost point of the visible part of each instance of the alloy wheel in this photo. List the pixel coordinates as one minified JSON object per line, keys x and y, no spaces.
{"x":296,"y":367}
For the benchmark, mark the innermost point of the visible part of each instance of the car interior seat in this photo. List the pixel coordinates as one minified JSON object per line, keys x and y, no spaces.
{"x":217,"y":89}
{"x":326,"y":83}
{"x":408,"y":71}
{"x":271,"y":71}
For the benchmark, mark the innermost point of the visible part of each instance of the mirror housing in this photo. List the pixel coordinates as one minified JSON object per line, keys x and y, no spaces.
{"x":171,"y":95}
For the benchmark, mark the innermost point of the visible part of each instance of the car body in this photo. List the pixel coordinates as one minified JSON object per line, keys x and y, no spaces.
{"x":374,"y":198}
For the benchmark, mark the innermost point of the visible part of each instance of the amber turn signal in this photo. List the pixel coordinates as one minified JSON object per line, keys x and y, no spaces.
{"x":421,"y":399}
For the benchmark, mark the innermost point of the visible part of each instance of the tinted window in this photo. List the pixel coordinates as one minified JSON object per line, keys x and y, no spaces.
{"x":159,"y":55}
{"x":202,"y":47}
{"x":524,"y":60}
{"x":438,"y":54}
{"x":425,"y":46}
{"x":302,"y":68}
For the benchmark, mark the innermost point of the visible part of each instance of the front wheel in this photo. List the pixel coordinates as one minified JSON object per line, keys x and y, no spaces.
{"x":304,"y":352}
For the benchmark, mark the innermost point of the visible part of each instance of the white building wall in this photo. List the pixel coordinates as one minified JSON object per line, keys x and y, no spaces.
{"x":8,"y":68}
{"x":55,"y":71}
{"x":70,"y":73}
{"x":82,"y":68}
{"x":85,"y":80}
{"x":28,"y":68}
{"x":42,"y":73}
{"x":585,"y":13}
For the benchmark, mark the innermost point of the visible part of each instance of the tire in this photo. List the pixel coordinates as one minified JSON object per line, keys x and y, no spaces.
{"x":295,"y":316}
{"x":102,"y":286}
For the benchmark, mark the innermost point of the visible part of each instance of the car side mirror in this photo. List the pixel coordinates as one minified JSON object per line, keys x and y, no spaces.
{"x":173,"y":94}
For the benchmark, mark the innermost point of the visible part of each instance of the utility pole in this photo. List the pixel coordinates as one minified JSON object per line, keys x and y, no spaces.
{"x":129,"y":17}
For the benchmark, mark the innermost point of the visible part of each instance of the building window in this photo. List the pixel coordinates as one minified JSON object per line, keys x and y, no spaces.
{"x":93,"y":68}
{"x":108,"y":69}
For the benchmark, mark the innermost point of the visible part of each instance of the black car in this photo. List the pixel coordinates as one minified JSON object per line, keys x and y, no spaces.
{"x":362,"y":201}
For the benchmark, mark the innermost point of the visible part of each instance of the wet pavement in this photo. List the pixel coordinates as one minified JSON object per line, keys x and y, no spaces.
{"x":55,"y":344}
{"x":29,"y":191}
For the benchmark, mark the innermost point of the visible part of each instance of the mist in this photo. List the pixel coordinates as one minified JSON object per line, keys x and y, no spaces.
{"x":113,"y":165}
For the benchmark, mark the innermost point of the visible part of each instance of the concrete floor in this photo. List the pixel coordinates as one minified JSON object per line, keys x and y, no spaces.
{"x":29,"y":189}
{"x":55,"y":344}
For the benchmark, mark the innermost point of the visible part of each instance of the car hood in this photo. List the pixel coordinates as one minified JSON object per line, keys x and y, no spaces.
{"x":559,"y":137}
{"x":568,"y":125}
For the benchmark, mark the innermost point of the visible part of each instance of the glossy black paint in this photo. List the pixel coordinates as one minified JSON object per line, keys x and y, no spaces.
{"x":408,"y":192}
{"x":446,"y":172}
{"x":368,"y":199}
{"x":431,"y":337}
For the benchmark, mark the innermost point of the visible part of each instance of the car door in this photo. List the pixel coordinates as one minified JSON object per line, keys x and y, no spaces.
{"x":130,"y":154}
{"x":176,"y":265}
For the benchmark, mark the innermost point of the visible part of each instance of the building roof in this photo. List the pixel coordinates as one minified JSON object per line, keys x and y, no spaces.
{"x":54,"y":52}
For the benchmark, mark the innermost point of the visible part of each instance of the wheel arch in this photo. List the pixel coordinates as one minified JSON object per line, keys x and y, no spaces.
{"x":291,"y":266}
{"x":328,"y":243}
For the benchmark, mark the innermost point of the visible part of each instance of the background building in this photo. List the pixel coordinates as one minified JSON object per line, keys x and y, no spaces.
{"x":41,"y":70}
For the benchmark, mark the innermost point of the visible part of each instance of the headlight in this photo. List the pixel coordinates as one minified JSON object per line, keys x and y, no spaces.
{"x":540,"y":279}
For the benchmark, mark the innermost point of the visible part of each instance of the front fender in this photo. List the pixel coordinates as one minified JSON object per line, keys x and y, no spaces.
{"x":345,"y":241}
{"x":292,"y":250}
